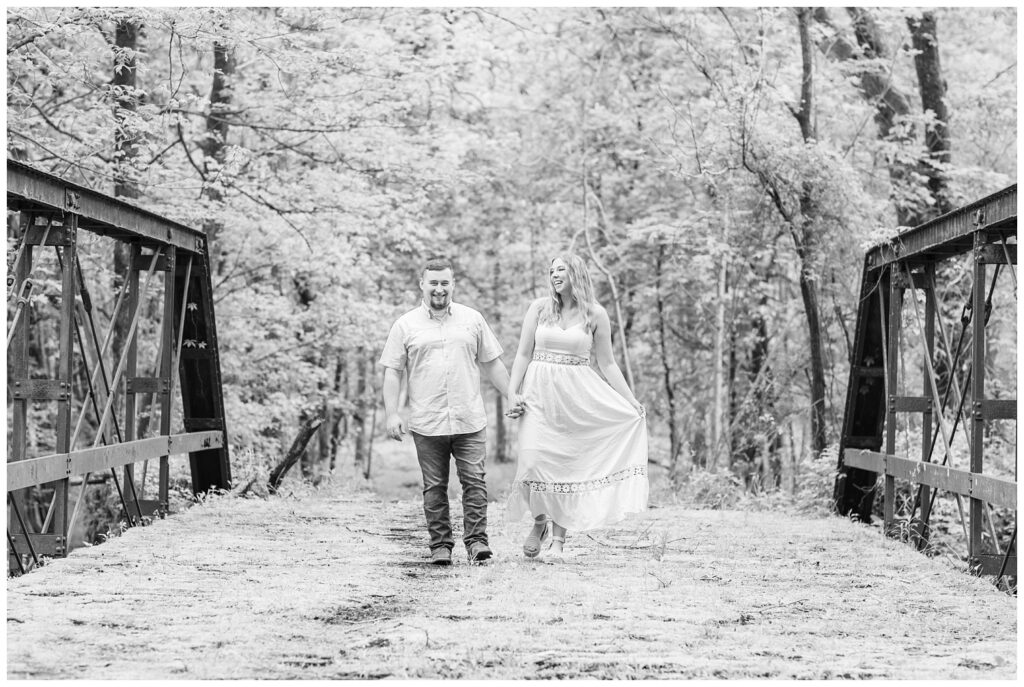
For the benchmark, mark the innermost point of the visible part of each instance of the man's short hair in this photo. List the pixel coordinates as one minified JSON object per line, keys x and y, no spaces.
{"x":436,"y":263}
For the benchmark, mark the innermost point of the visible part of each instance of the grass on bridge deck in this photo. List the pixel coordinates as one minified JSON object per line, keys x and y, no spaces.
{"x":334,"y":584}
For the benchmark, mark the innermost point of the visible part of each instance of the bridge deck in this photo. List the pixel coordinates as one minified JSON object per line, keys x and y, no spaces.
{"x":333,"y":585}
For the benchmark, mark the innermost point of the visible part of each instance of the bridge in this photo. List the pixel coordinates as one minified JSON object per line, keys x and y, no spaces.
{"x":53,"y":212}
{"x":963,"y":246}
{"x":333,"y":582}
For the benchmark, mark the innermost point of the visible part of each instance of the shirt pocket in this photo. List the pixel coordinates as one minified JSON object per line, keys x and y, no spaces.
{"x":466,"y":335}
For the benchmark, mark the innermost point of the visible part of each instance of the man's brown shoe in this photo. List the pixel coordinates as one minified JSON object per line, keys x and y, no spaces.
{"x":441,"y":556}
{"x":478,"y":552}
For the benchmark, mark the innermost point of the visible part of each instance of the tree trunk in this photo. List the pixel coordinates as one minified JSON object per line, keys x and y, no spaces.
{"x":373,"y":433}
{"x":215,"y":141}
{"x":809,"y":295}
{"x":360,"y":417}
{"x":806,"y":243}
{"x":925,"y":39}
{"x":126,"y":104}
{"x":666,"y":369}
{"x":298,"y":447}
{"x":890,"y":103}
{"x":617,"y":299}
{"x":126,"y":43}
{"x":324,"y":439}
{"x":718,"y":420}
{"x":306,"y":464}
{"x":339,"y":427}
{"x":501,"y":454}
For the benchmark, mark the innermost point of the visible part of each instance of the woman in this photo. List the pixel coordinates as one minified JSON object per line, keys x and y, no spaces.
{"x":582,"y":441}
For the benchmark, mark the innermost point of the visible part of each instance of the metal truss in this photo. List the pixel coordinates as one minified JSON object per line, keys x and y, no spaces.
{"x":86,"y":443}
{"x":953,"y":396}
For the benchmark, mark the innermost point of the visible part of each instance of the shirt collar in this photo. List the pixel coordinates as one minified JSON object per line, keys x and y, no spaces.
{"x":430,"y":313}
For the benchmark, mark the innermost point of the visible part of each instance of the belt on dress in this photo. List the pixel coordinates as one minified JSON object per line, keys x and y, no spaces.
{"x":560,"y":358}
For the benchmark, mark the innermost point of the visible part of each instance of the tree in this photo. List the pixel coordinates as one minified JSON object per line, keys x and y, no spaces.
{"x":924,"y":34}
{"x":726,"y":180}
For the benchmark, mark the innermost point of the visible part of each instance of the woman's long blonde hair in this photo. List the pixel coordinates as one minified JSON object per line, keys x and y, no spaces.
{"x":582,"y":290}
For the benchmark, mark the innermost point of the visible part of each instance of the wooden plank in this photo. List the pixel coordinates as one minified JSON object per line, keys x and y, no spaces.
{"x":32,"y":471}
{"x":116,"y":455}
{"x":998,"y":492}
{"x":932,"y":474}
{"x":865,"y":460}
{"x":195,"y":441}
{"x":57,"y":466}
{"x":994,"y":490}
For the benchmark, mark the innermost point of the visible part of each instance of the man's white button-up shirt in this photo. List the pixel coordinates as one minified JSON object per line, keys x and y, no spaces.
{"x":440,"y":355}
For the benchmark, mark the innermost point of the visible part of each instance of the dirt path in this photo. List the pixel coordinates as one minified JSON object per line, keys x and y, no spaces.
{"x":334,"y":585}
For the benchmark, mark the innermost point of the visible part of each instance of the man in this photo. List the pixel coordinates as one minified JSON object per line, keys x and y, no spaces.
{"x":441,"y":346}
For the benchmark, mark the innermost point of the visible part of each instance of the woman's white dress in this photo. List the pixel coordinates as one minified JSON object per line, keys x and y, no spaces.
{"x":582,"y":446}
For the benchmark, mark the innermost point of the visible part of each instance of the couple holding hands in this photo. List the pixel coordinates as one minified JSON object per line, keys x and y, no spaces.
{"x":582,"y":459}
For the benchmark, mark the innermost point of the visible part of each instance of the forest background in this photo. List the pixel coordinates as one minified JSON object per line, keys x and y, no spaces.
{"x":722,"y":170}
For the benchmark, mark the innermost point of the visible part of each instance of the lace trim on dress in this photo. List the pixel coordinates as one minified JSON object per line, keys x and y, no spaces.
{"x":589,"y":485}
{"x":560,"y":358}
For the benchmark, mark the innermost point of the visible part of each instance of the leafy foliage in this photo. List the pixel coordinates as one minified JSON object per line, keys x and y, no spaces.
{"x":358,"y":140}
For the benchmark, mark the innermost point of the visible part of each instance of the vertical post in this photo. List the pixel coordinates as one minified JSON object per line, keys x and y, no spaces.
{"x":202,"y":394}
{"x":131,"y":365}
{"x":65,"y":368}
{"x":977,"y":437}
{"x":18,"y":361}
{"x":896,"y":284}
{"x":166,"y":371}
{"x":921,"y":528}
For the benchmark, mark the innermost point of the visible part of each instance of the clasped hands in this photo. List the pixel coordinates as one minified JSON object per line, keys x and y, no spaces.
{"x":516,"y":406}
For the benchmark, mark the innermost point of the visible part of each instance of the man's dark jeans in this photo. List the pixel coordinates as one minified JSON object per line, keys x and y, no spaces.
{"x":435,"y":454}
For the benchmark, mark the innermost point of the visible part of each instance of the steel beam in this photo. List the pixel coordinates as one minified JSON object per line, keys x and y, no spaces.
{"x":894,"y":329}
{"x":953,"y":231}
{"x":201,"y":389}
{"x":989,"y":564}
{"x":977,"y":435}
{"x":30,"y":188}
